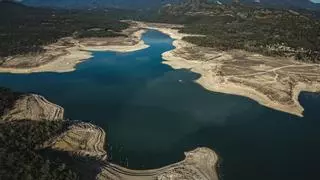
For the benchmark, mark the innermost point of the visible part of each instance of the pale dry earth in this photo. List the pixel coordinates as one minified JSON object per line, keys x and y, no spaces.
{"x":65,"y":54}
{"x":271,"y":81}
{"x":33,"y":107}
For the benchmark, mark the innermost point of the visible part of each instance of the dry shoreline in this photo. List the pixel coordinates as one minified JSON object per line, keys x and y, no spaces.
{"x":64,"y":55}
{"x":61,"y":64}
{"x":212,"y":67}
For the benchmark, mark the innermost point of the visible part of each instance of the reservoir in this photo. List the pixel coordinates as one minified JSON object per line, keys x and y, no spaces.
{"x":152,"y":114}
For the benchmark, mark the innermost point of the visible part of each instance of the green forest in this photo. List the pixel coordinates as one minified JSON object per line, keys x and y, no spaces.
{"x":22,"y":156}
{"x":7,"y":99}
{"x":19,"y":157}
{"x":26,"y":29}
{"x":20,"y":140}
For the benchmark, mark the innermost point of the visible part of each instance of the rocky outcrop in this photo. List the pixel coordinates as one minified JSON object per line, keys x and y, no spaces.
{"x":81,"y":139}
{"x":199,"y":164}
{"x":33,"y":107}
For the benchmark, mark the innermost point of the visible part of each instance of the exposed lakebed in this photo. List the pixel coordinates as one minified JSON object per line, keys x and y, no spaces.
{"x":153,"y":113}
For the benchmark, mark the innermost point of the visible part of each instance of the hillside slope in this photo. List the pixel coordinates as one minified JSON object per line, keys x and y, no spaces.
{"x":21,"y":26}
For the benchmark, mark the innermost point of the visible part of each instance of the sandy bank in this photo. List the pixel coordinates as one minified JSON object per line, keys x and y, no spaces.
{"x":273,"y":82}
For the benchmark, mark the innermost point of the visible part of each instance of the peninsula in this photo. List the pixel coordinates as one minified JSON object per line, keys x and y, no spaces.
{"x":275,"y":82}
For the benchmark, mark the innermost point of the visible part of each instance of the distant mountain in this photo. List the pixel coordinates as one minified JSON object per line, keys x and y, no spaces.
{"x":132,"y":4}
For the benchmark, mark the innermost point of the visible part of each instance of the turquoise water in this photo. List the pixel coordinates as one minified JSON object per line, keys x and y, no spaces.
{"x":153,"y":113}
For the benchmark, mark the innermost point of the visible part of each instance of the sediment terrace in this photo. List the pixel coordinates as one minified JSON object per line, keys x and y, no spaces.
{"x":274,"y":82}
{"x":33,"y":107}
{"x":81,"y":139}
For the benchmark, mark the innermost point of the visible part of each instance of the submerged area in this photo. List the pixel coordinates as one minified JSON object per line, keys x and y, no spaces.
{"x":153,"y":113}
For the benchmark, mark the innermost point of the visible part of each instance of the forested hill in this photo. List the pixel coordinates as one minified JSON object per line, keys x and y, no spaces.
{"x":26,"y":29}
{"x":274,"y":32}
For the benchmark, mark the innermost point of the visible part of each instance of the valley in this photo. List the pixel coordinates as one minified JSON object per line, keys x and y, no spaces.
{"x":120,"y":93}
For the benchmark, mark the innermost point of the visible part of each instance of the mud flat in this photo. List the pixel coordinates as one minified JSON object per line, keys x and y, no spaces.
{"x":65,"y":54}
{"x":33,"y":107}
{"x":273,"y":82}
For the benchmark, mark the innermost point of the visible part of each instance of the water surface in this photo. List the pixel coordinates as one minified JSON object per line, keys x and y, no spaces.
{"x":153,"y":113}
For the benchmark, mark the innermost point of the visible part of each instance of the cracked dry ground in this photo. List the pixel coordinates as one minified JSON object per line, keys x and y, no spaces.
{"x":273,"y":82}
